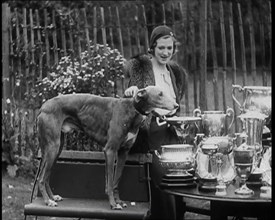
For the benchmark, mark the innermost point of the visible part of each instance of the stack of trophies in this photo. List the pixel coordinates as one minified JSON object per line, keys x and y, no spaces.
{"x":218,"y":155}
{"x":224,"y":156}
{"x":252,"y":158}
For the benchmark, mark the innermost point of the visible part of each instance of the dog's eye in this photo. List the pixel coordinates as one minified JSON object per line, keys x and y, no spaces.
{"x":161,"y":94}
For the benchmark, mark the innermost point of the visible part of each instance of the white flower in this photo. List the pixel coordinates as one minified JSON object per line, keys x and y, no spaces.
{"x":8,"y":101}
{"x":111,"y":82}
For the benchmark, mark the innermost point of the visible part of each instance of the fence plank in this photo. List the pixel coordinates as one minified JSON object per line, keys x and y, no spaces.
{"x":153,"y":15}
{"x":252,"y":44}
{"x":173,"y":25}
{"x":12,"y":56}
{"x":163,"y":14}
{"x":87,"y":30}
{"x":63,"y":37}
{"x":129,"y":35}
{"x":19,"y":54}
{"x":120,"y":42}
{"x":39,"y":43}
{"x":47,"y":41}
{"x":224,"y":54}
{"x":103,"y":29}
{"x":242,"y":49}
{"x":146,"y":43}
{"x":95,"y":25}
{"x":78,"y":35}
{"x":5,"y":53}
{"x":32,"y":64}
{"x":233,"y":60}
{"x":214,"y":57}
{"x":193,"y":55}
{"x":185,"y":18}
{"x":111,"y":27}
{"x":119,"y":32}
{"x":203,"y":55}
{"x":25,"y":37}
{"x":270,"y":33}
{"x":137,"y":30}
{"x":71,"y":49}
{"x":55,"y":47}
{"x":262,"y":46}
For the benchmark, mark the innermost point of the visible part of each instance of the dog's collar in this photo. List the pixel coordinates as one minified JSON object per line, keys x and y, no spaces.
{"x":138,"y":106}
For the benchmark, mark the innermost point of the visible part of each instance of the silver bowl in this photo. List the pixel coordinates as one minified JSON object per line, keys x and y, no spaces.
{"x":177,"y":158}
{"x":224,"y":144}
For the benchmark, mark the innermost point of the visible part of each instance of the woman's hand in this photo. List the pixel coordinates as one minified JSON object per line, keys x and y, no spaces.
{"x":131,"y":91}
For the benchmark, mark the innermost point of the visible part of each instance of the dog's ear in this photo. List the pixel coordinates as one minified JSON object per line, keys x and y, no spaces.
{"x":141,"y":94}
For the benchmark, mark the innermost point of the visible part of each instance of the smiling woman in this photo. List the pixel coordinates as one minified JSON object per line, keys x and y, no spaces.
{"x":157,"y":68}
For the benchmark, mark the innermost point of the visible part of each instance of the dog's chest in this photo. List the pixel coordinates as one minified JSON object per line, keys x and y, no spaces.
{"x":131,"y":136}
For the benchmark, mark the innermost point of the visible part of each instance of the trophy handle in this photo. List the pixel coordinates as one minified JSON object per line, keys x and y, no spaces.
{"x":157,"y":154}
{"x":240,"y":89}
{"x":197,"y":112}
{"x":230,"y":112}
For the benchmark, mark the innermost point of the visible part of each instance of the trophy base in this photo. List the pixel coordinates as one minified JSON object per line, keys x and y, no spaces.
{"x":244,"y":190}
{"x":265,"y":192}
{"x":176,"y":172}
{"x":220,"y":190}
{"x":208,"y":184}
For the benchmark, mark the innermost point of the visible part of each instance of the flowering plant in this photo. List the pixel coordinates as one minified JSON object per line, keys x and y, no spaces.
{"x":95,"y":73}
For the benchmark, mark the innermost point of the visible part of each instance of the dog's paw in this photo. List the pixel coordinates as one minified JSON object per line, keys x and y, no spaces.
{"x":51,"y":203}
{"x":116,"y":207}
{"x":122,"y":204}
{"x":57,"y":198}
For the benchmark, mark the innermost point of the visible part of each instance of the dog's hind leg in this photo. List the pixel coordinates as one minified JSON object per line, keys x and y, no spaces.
{"x":49,"y":141}
{"x":56,"y":198}
{"x":43,"y":180}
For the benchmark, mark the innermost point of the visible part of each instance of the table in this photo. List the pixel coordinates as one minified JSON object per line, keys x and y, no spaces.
{"x":223,"y":206}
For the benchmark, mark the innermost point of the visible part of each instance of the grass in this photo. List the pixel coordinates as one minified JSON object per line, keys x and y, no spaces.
{"x":15,"y":194}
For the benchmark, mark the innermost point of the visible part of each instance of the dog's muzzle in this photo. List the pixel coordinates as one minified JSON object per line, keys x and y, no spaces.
{"x":161,"y":115}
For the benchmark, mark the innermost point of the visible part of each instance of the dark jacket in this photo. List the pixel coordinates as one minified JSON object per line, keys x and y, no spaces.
{"x":140,"y":71}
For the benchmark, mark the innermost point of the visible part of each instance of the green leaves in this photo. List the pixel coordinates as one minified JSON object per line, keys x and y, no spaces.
{"x":94,"y":73}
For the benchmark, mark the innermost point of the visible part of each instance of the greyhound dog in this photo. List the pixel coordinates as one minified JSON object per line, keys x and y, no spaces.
{"x":112,"y":122}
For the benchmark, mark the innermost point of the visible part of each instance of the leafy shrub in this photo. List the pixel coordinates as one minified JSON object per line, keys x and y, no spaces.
{"x":19,"y":144}
{"x":96,"y":73}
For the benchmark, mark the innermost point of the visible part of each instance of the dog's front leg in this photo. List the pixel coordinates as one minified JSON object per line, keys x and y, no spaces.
{"x":122,"y":156}
{"x":110,"y":156}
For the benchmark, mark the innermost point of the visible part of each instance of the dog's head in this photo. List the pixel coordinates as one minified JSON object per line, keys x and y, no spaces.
{"x":153,"y":99}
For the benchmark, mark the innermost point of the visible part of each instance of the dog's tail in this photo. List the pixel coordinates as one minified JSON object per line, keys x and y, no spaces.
{"x":40,"y":162}
{"x":35,"y":180}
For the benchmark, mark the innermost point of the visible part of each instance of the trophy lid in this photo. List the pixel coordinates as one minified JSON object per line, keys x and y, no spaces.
{"x":253,"y":114}
{"x":258,"y":87}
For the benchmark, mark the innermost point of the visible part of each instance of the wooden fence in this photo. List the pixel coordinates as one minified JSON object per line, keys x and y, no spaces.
{"x":221,"y":42}
{"x":39,"y":38}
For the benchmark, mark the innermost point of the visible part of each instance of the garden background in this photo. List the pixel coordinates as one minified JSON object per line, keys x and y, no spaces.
{"x":53,"y":47}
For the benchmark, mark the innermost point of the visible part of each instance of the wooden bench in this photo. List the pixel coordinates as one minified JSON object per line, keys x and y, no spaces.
{"x":79,"y":177}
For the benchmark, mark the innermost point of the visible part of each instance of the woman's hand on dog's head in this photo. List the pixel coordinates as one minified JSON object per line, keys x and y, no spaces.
{"x":131,"y":91}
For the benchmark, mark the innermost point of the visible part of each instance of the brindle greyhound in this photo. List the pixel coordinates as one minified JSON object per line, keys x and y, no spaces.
{"x":112,"y":122}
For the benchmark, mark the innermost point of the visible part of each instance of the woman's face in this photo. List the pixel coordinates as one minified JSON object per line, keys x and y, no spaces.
{"x":164,"y":50}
